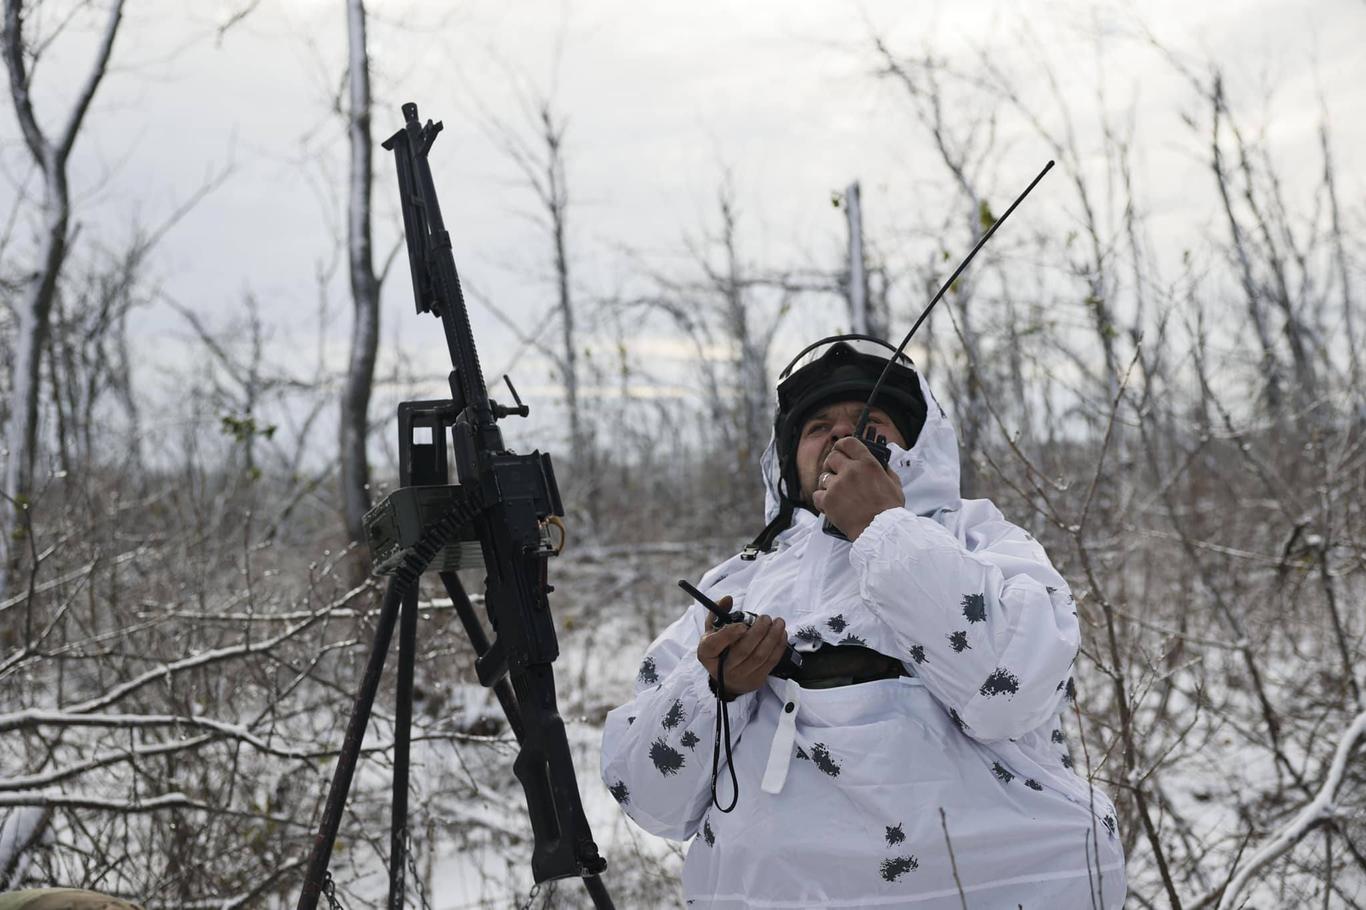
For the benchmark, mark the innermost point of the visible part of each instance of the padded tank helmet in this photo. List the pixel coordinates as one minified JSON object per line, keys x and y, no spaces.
{"x":842,"y":368}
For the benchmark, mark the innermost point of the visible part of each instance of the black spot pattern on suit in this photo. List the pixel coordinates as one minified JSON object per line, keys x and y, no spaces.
{"x":957,"y":721}
{"x":1050,"y":589}
{"x":1032,"y":784}
{"x":1057,"y":736}
{"x":892,"y":869}
{"x":810,"y":634}
{"x":975,"y":607}
{"x":674,"y":717}
{"x":1066,"y":761}
{"x":1071,"y":689}
{"x":852,"y":639}
{"x":648,"y":675}
{"x":959,"y":641}
{"x":837,"y":623}
{"x":1002,"y":773}
{"x":801,"y":753}
{"x":667,"y":759}
{"x":918,"y":653}
{"x":1000,"y":682}
{"x":820,"y":755}
{"x":895,"y":835}
{"x":708,"y":834}
{"x":689,"y":739}
{"x":1109,"y":822}
{"x":630,"y":720}
{"x":620,"y":793}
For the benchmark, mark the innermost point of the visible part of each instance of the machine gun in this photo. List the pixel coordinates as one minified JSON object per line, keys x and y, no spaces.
{"x":497,"y":514}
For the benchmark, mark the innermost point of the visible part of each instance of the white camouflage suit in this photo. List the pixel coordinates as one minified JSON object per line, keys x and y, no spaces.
{"x":841,"y":795}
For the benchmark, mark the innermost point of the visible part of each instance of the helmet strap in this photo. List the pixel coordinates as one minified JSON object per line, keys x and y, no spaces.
{"x":780,"y":523}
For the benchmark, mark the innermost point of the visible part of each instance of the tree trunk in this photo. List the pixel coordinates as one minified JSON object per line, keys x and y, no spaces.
{"x":35,"y":310}
{"x":360,"y":371}
{"x":1273,"y":393}
{"x":34,"y":321}
{"x":1341,"y":263}
{"x":751,"y":374}
{"x":557,"y":203}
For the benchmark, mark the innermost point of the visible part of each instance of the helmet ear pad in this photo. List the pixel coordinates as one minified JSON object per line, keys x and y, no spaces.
{"x":829,"y":383}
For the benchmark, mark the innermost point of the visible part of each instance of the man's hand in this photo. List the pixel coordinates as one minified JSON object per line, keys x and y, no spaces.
{"x":853,"y":488}
{"x":753,"y":650}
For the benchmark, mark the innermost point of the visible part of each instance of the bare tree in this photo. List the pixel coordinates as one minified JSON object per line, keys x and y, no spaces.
{"x":1275,"y":262}
{"x":731,"y":309}
{"x":1341,"y":262}
{"x":365,"y":285}
{"x":1216,"y":554}
{"x":88,"y":358}
{"x":751,"y":334}
{"x":541,"y":162}
{"x":50,"y":155}
{"x":966,"y":151}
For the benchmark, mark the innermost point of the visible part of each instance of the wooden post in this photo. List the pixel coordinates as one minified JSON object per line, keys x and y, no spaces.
{"x":858,"y":275}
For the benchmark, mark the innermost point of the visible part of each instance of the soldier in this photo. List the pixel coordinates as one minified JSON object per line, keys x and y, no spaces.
{"x":917,"y":759}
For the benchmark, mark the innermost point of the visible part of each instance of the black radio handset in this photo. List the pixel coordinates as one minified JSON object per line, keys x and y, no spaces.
{"x":791,"y":660}
{"x":861,"y":429}
{"x":878,"y":446}
{"x":790,"y":663}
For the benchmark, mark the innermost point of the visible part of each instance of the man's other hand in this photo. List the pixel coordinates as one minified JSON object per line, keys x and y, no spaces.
{"x":854,"y":488}
{"x":751,"y":651}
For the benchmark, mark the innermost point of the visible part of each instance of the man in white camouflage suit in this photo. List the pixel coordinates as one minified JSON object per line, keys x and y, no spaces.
{"x":917,"y":757}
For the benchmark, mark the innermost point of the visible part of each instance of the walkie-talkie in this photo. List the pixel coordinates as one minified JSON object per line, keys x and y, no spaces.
{"x":791,"y":660}
{"x":878,"y":446}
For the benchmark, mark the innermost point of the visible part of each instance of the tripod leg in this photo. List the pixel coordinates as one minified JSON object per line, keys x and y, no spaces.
{"x":598,"y":892}
{"x":350,"y":751}
{"x":403,"y":724}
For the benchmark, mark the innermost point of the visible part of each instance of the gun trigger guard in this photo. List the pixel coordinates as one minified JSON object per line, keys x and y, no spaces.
{"x":558,"y":522}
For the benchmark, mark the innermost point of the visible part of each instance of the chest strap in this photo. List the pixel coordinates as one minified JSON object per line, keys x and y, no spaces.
{"x":846,"y":665}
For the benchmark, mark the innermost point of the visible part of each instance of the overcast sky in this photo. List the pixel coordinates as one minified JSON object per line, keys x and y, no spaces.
{"x":661,"y":100}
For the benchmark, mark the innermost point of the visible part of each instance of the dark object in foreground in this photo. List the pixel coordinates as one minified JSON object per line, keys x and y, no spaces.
{"x":61,"y":899}
{"x":502,"y":504}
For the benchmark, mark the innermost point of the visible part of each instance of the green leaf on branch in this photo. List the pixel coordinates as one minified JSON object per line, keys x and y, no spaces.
{"x":985,"y":216}
{"x":244,"y":429}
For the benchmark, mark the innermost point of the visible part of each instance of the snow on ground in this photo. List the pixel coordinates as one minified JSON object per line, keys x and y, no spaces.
{"x":468,"y":813}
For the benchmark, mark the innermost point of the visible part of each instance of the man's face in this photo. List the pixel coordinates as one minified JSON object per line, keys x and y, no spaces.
{"x":826,"y":426}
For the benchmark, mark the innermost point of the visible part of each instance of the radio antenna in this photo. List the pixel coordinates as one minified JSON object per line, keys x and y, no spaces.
{"x":863,"y":415}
